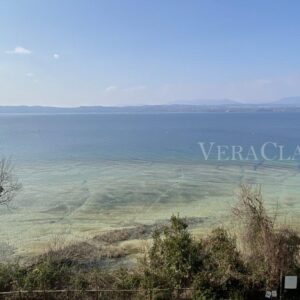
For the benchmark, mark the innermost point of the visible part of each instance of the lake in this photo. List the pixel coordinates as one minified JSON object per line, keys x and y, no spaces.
{"x":84,"y":174}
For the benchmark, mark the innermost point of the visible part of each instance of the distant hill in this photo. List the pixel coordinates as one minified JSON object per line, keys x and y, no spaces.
{"x":110,"y":109}
{"x":289,"y":101}
{"x":223,"y":105}
{"x":209,"y":102}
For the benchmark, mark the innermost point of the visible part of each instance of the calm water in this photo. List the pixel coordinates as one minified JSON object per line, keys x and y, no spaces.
{"x":147,"y":137}
{"x":82,"y":174}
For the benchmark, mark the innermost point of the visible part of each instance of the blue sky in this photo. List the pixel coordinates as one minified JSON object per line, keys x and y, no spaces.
{"x":71,"y":52}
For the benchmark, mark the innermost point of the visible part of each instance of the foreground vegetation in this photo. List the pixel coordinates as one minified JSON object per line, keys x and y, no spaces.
{"x":221,"y":265}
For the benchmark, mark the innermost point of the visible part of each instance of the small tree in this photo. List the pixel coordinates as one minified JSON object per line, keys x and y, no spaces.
{"x":174,"y":258}
{"x":223,"y":275}
{"x":9,"y":184}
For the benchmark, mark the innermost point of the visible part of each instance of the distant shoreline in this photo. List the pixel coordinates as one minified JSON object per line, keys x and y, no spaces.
{"x":243,"y":108}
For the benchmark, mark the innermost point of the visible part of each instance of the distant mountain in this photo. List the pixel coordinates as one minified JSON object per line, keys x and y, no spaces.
{"x":110,"y":109}
{"x":288,"y":101}
{"x":223,"y":105}
{"x":210,"y":102}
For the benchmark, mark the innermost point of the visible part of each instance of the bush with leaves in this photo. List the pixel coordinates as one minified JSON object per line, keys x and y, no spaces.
{"x":174,"y":258}
{"x":48,"y":274}
{"x":223,"y":274}
{"x":6,"y":278}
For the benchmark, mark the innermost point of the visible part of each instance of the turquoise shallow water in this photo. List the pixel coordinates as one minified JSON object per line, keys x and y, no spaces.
{"x":83,"y":174}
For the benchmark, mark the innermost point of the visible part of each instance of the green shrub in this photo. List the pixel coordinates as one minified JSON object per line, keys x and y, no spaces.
{"x":173,"y":260}
{"x":79,"y":280}
{"x":126,"y":279}
{"x":223,"y":274}
{"x":48,"y":274}
{"x":7,"y":277}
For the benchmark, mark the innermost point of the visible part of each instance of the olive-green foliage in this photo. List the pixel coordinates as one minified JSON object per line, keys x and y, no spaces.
{"x":11,"y":277}
{"x":79,"y":280}
{"x":48,"y":274}
{"x":173,"y":260}
{"x":126,"y":279}
{"x":223,"y":273}
{"x":213,"y":266}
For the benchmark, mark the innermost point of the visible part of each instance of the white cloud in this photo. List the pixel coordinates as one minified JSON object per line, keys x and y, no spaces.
{"x":111,"y":88}
{"x":19,"y":50}
{"x":56,"y":56}
{"x":29,"y":74}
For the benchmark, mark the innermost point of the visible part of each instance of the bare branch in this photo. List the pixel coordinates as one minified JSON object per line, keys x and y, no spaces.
{"x":9,"y":184}
{"x":271,"y":249}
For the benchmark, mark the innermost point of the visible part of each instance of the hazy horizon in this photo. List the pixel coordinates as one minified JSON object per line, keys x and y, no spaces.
{"x":192,"y":102}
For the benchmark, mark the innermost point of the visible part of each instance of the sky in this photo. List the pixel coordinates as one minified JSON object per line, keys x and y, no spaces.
{"x":135,"y":52}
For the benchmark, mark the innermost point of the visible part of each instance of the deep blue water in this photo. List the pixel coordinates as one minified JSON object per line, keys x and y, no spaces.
{"x":149,"y":137}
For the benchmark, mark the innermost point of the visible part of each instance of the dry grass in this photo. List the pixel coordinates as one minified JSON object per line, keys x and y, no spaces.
{"x":270,"y":249}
